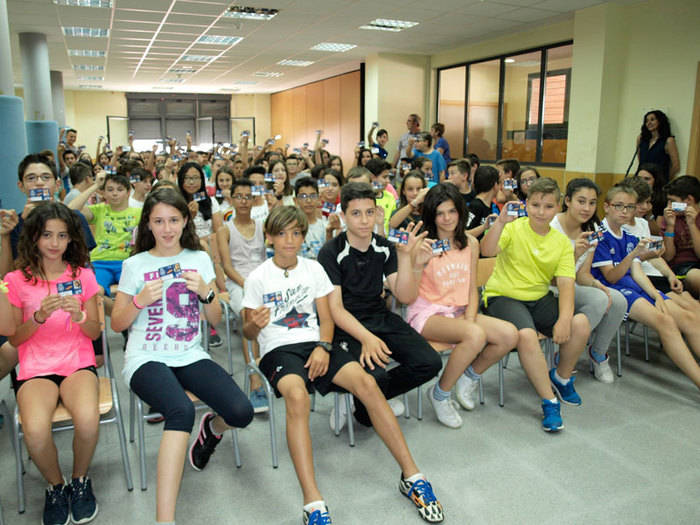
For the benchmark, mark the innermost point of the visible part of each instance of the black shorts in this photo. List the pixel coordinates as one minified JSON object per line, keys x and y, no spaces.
{"x":17,"y":383}
{"x":682,"y":269}
{"x":660,"y":283}
{"x":290,"y":359}
{"x":540,"y":315}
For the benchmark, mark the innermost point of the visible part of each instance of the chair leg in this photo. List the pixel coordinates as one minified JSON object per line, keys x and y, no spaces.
{"x":646,"y":343}
{"x":18,"y":462}
{"x":419,"y":403}
{"x":142,"y":444}
{"x":313,"y":401}
{"x":505,"y":364}
{"x":236,"y":450}
{"x":122,"y":437}
{"x":351,"y":426}
{"x":627,"y":338}
{"x":336,"y":403}
{"x":228,"y":337}
{"x":407,"y":410}
{"x":481,"y":391}
{"x":501,"y":367}
{"x":132,"y":415}
{"x":619,"y":353}
{"x":273,"y":436}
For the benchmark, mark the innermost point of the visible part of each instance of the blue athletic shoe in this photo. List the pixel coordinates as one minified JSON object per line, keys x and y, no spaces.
{"x":83,"y":506}
{"x":317,"y":517}
{"x":567,"y":393}
{"x":259,"y":401}
{"x":551,"y":419}
{"x":421,"y":494}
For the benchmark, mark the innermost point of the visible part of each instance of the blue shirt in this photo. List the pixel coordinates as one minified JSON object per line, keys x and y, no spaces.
{"x":437,"y":160}
{"x":442,"y":143}
{"x":611,"y":250}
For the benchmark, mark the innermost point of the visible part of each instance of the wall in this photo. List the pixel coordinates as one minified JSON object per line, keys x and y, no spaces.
{"x":331,"y":105}
{"x":87,"y":112}
{"x":257,"y":106}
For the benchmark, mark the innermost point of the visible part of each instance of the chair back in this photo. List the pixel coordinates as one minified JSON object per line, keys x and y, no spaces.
{"x":484,"y":270}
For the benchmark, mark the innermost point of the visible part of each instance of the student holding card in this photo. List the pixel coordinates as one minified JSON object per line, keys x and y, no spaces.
{"x":161,"y":304}
{"x":289,"y":312}
{"x":411,"y":195}
{"x":530,"y":253}
{"x":445,"y":308}
{"x":604,"y":307}
{"x":55,"y":312}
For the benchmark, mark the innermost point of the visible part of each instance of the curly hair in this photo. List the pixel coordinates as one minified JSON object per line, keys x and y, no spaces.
{"x":664,"y":125}
{"x":437,"y":195}
{"x":29,"y":259}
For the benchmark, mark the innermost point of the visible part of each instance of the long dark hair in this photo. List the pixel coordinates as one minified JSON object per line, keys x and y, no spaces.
{"x":228,"y":171}
{"x":165,"y":195}
{"x":287,"y":185}
{"x":658,"y":196}
{"x":573,"y":187}
{"x":204,"y":205}
{"x":414,"y":174}
{"x":436,"y":196}
{"x":664,"y":125}
{"x":29,"y":259}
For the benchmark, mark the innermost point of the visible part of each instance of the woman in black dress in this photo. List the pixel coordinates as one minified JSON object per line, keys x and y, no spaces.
{"x":656,"y":145}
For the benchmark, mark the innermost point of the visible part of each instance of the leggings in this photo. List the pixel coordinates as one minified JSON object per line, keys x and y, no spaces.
{"x":163,"y":388}
{"x":592,"y":302}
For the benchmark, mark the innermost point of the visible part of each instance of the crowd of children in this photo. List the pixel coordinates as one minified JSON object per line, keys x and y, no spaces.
{"x":316,"y":263}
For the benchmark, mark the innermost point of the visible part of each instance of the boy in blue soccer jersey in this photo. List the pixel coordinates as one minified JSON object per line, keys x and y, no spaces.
{"x":617,"y":264}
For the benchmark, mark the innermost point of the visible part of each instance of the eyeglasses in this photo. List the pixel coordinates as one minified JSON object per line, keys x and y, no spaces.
{"x":621,"y":207}
{"x":241,"y":197}
{"x":31,"y":179}
{"x":528,"y":181}
{"x":192,"y":179}
{"x":307,"y":196}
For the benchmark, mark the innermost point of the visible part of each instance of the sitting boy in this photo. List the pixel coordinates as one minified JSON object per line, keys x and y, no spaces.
{"x":306,"y":198}
{"x":359,"y":264}
{"x":616,"y":263}
{"x":298,"y":357}
{"x":530,"y":254}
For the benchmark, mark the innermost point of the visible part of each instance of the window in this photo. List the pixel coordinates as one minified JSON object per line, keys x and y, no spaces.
{"x":504,"y":104}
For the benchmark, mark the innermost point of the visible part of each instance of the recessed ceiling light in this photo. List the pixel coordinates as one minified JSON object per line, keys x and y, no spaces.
{"x":84,"y":3}
{"x":198,"y":58}
{"x":181,"y":70}
{"x":173,"y":80}
{"x":92,"y":78}
{"x":90,"y":32}
{"x":268,"y":74}
{"x":86,"y":53}
{"x":509,"y":60}
{"x":386,"y":24}
{"x":219,"y":40}
{"x":250,"y":13}
{"x":88,"y":67}
{"x":90,"y":86}
{"x":379,"y":28}
{"x":230,"y":89}
{"x":333,"y":47}
{"x":297,"y":63}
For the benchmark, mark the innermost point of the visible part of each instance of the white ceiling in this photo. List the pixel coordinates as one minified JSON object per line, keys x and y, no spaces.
{"x":149,"y":37}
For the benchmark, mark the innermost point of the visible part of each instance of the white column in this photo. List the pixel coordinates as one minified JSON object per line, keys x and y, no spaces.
{"x":59,"y":105}
{"x":6,"y":76}
{"x":35,"y":76}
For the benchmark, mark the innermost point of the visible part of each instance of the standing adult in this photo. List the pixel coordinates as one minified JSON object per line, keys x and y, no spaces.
{"x":413,"y":126}
{"x":440,"y":144}
{"x":656,"y":145}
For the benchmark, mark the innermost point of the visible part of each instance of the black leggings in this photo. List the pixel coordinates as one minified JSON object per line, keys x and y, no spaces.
{"x":163,"y":388}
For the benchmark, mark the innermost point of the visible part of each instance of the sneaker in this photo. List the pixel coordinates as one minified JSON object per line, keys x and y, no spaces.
{"x":445,"y":410}
{"x":421,"y":494}
{"x":551,"y":418}
{"x":566,"y":392}
{"x":317,"y":517}
{"x":56,"y":505}
{"x":397,"y":406}
{"x":203,"y":447}
{"x":154,"y":420}
{"x":602,"y":371}
{"x":214,"y":339}
{"x":466,"y":392}
{"x":83,"y":505}
{"x":342,"y":414}
{"x":259,"y":401}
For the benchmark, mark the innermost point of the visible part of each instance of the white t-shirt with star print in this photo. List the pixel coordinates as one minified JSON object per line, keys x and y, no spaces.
{"x":290,"y":299}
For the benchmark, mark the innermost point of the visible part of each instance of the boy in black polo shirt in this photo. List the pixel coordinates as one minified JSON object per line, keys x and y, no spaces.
{"x":358,"y":264}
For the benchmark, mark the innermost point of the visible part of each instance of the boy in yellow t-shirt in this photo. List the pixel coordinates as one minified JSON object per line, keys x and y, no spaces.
{"x":531,"y":254}
{"x":386,"y":202}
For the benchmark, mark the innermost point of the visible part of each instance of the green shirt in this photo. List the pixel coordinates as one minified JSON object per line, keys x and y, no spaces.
{"x":113,"y":232}
{"x":387,"y":202}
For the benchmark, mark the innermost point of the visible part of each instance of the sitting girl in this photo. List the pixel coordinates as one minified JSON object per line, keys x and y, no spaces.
{"x":446,"y":309}
{"x":55,"y":313}
{"x":411,"y":195}
{"x":166,"y":287}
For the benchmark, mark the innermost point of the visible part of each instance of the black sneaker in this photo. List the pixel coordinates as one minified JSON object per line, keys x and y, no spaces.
{"x":56,"y":506}
{"x":214,"y":340}
{"x":83,"y":505}
{"x":203,"y":447}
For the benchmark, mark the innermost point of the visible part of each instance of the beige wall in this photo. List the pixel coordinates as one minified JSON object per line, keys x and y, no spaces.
{"x":257,"y":106}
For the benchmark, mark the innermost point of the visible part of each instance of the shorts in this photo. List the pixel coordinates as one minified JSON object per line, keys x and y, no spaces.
{"x":235,"y":294}
{"x":660,"y":283}
{"x":682,"y":269}
{"x":107,"y":273}
{"x":17,"y":383}
{"x":290,"y":359}
{"x":421,"y":310}
{"x":632,"y":291}
{"x":540,"y":315}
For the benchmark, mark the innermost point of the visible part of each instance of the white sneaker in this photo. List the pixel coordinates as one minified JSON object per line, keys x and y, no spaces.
{"x":466,"y":392}
{"x":602,"y":371}
{"x":445,"y":410}
{"x":397,"y":406}
{"x":342,"y":413}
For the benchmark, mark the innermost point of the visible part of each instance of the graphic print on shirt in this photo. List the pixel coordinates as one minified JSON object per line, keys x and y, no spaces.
{"x":285,"y":311}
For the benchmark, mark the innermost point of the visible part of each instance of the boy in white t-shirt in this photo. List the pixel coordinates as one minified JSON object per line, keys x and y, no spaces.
{"x":298,"y":357}
{"x":306,"y":199}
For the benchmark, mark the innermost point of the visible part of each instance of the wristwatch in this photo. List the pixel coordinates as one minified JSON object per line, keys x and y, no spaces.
{"x":328,"y":347}
{"x":209,"y":298}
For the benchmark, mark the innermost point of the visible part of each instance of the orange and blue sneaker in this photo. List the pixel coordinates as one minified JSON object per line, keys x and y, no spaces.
{"x":420,"y":492}
{"x":318,"y":516}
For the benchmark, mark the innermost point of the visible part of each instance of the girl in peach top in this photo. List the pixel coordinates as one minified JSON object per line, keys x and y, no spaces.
{"x":446,"y":309}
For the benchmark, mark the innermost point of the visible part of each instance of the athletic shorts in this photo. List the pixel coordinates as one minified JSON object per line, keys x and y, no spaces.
{"x":632,"y":291}
{"x":290,"y":359}
{"x":683,"y":268}
{"x":17,"y":383}
{"x":540,"y":315}
{"x":421,"y":310}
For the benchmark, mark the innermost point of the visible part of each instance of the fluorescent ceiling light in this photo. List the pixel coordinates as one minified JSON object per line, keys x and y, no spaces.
{"x":88,"y":67}
{"x":246,"y":82}
{"x":84,"y":3}
{"x":161,"y":88}
{"x":86,"y":53}
{"x":379,"y":28}
{"x":333,"y":47}
{"x":181,"y":70}
{"x":388,"y":23}
{"x":91,"y":86}
{"x":219,"y":40}
{"x":250,"y":13}
{"x":297,"y":63}
{"x":92,"y":78}
{"x":509,"y":60}
{"x":198,"y":58}
{"x":90,"y":32}
{"x":173,"y":80}
{"x":268,"y":74}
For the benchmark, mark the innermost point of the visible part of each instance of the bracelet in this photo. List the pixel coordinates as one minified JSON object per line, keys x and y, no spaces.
{"x":83,"y":317}
{"x":37,"y":320}
{"x":136,"y":304}
{"x":669,"y":234}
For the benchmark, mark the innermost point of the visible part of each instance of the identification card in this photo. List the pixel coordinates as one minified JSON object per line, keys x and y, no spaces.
{"x":269,"y":177}
{"x":377,"y":186}
{"x":219,"y":194}
{"x":441,"y":246}
{"x":595,"y":236}
{"x":39,"y":194}
{"x":134,"y":178}
{"x":322,"y":185}
{"x":199,"y":196}
{"x":397,"y":236}
{"x":328,"y":207}
{"x":172,"y":271}
{"x":257,"y":191}
{"x":679,"y":207}
{"x":69,"y":288}
{"x":490,"y":220}
{"x":515,"y":209}
{"x":655,"y":243}
{"x":510,"y":184}
{"x":272,"y":299}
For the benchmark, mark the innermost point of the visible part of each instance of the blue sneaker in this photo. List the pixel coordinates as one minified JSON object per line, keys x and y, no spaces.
{"x":57,"y":505}
{"x":317,"y":517}
{"x":259,"y":401}
{"x":551,"y":419}
{"x":83,"y":506}
{"x":567,"y":393}
{"x":421,"y":494}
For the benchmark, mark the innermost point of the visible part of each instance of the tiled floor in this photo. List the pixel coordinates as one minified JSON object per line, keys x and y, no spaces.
{"x":629,"y":455}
